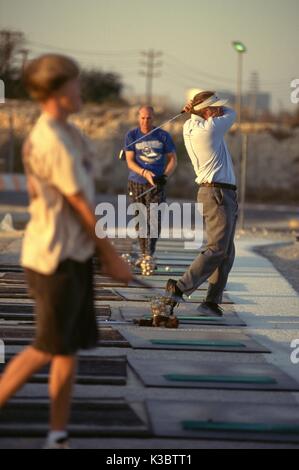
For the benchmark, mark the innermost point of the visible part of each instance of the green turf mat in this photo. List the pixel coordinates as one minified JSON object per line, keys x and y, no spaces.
{"x":182,"y":318}
{"x":242,"y":427}
{"x":246,"y":379}
{"x":178,"y":342}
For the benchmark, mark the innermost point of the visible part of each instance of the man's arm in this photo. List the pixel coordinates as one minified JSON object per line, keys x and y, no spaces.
{"x":133,"y":166}
{"x":113,"y":264}
{"x":171,"y":163}
{"x":223,"y":123}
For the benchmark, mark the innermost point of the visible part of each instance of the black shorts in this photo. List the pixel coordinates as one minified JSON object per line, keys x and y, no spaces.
{"x":64,"y":308}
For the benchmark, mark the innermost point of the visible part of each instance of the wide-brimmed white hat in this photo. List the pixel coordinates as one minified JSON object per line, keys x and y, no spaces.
{"x":213,"y":101}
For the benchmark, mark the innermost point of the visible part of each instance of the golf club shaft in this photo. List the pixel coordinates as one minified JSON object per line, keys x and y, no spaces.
{"x":146,"y":192}
{"x":159,"y":127}
{"x":147,"y":285}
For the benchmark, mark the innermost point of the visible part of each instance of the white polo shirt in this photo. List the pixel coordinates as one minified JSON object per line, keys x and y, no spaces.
{"x":58,"y":163}
{"x":207,"y":149}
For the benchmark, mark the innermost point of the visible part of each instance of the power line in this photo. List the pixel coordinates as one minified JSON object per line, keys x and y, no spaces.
{"x":192,"y":77}
{"x":181,"y":81}
{"x":84,"y":52}
{"x":131,"y":54}
{"x":218,"y":77}
{"x":198,"y":71}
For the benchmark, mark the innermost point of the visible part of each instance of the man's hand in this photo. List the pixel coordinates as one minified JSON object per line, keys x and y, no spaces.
{"x":149,"y":176}
{"x":160,"y":180}
{"x":115,"y":267}
{"x":189,"y":106}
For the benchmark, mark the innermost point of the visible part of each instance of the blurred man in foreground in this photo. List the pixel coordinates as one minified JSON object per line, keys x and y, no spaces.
{"x":59,"y":242}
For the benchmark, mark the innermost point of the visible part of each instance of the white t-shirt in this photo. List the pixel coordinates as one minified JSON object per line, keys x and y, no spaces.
{"x":58,"y":163}
{"x":207,"y":149}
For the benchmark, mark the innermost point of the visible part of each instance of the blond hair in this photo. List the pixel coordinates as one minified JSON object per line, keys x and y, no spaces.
{"x":47,"y":73}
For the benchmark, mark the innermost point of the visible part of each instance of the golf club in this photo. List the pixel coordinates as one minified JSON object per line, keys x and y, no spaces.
{"x":147,"y":285}
{"x":146,"y":192}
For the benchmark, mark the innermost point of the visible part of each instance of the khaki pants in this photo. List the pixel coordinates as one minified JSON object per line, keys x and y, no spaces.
{"x":220,"y":210}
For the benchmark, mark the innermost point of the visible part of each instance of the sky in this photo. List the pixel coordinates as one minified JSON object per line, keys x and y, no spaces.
{"x":194,"y":36}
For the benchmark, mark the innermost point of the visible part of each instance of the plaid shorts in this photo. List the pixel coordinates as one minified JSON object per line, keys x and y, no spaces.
{"x":156,"y":196}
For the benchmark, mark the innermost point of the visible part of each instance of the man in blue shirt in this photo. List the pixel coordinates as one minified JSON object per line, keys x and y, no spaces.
{"x":151,"y":160}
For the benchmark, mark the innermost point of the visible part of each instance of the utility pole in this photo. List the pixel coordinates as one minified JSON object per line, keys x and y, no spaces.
{"x":10,"y":42}
{"x":254,"y":91}
{"x":149,"y":72}
{"x":243,"y":179}
{"x":240,"y":48}
{"x":24,"y":54}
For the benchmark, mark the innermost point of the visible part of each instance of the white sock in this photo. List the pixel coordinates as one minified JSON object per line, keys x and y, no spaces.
{"x":55,"y":436}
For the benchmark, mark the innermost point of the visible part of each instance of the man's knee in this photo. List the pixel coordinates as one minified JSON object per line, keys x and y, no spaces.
{"x":215,"y":251}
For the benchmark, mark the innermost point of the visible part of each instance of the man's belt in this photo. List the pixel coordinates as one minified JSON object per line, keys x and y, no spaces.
{"x":219,"y":185}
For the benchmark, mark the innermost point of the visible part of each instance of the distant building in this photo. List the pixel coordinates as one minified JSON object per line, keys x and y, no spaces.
{"x":255,"y":102}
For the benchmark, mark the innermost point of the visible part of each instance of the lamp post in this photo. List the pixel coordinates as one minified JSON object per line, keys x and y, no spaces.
{"x":241,"y":49}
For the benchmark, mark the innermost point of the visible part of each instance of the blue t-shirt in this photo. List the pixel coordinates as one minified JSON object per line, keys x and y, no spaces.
{"x":150,"y":152}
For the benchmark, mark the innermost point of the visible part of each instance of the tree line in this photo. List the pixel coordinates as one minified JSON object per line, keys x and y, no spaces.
{"x":97,"y":86}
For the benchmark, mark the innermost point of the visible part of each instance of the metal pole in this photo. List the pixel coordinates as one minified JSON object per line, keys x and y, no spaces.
{"x":239,"y":87}
{"x":150,"y":66}
{"x":11,"y":151}
{"x":239,"y":117}
{"x":243,"y":179}
{"x":149,"y":77}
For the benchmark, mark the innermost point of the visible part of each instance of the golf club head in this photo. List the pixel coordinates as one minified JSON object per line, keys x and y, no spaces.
{"x":147,"y":285}
{"x":122,"y":155}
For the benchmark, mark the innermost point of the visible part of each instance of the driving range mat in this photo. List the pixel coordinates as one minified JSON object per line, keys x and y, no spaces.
{"x":12,"y":276}
{"x":92,"y":370}
{"x":89,"y":418}
{"x":209,"y":375}
{"x":174,"y":262}
{"x":24,"y":335}
{"x":11,"y":268}
{"x":22,"y":293}
{"x":191,"y":340}
{"x":186,"y":316}
{"x":25,"y":312}
{"x":224,"y":421}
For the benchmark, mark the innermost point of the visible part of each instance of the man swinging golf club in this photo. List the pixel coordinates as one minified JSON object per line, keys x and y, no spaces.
{"x":204,"y":140}
{"x":151,"y":159}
